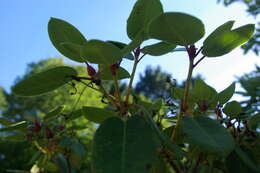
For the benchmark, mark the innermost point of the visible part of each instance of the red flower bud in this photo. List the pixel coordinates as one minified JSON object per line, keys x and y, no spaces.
{"x":61,"y":127}
{"x":91,"y":70}
{"x":203,"y":107}
{"x":192,"y":51}
{"x":37,"y":126}
{"x":113,"y":68}
{"x":49,"y":133}
{"x":29,"y":137}
{"x":137,"y":52}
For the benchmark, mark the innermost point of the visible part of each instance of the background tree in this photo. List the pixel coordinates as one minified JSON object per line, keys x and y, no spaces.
{"x":15,"y":155}
{"x":253,"y":8}
{"x":250,"y":82}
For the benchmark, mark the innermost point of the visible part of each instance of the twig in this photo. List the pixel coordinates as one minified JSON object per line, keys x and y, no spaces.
{"x":198,"y":61}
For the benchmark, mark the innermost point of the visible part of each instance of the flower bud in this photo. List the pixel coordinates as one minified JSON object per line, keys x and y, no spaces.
{"x":192,"y":51}
{"x":113,"y":68}
{"x":36,"y":126}
{"x":91,"y":70}
{"x":61,"y":127}
{"x":137,"y":52}
{"x":49,"y":133}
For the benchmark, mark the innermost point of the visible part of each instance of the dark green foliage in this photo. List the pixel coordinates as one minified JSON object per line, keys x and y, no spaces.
{"x":131,"y":143}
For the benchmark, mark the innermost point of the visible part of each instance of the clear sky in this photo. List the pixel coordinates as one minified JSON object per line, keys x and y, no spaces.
{"x":24,"y":37}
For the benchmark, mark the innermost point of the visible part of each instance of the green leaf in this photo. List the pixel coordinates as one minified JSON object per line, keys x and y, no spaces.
{"x":99,"y":52}
{"x":61,"y":31}
{"x":203,"y":93}
{"x":133,"y":44}
{"x":14,"y":138}
{"x":54,"y":112}
{"x":62,"y":162}
{"x":177,"y":28}
{"x":97,"y":115}
{"x":78,"y":149}
{"x":5,"y":122}
{"x":223,"y":40}
{"x":105,"y":73}
{"x":44,"y":81}
{"x":16,"y":126}
{"x":254,"y":122}
{"x":158,"y":49}
{"x":232,"y":109}
{"x":240,"y":161}
{"x":226,"y":94}
{"x":208,"y":135}
{"x":121,"y":46}
{"x":142,"y":14}
{"x":124,"y":146}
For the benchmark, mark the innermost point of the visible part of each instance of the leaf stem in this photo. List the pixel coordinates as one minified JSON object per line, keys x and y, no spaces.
{"x":129,"y":88}
{"x":184,"y":101}
{"x":117,"y":88}
{"x":198,"y":61}
{"x":104,"y":91}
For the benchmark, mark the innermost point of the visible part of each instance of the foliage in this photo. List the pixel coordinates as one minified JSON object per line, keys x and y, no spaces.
{"x":253,"y":8}
{"x":206,"y":133}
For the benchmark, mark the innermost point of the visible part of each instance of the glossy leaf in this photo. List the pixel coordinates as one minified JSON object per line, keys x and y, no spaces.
{"x":44,"y":81}
{"x":208,"y":135}
{"x":99,"y":52}
{"x":61,"y":31}
{"x":158,"y":49}
{"x":124,"y":146}
{"x":16,"y":126}
{"x":54,"y":112}
{"x":226,"y":94}
{"x":223,"y":39}
{"x":142,"y":14}
{"x":97,"y":115}
{"x":121,"y":46}
{"x":177,"y":28}
{"x":105,"y":73}
{"x":232,"y":109}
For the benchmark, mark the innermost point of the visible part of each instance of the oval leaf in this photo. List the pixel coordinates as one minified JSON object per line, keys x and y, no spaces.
{"x":105,"y":73}
{"x":99,"y":52}
{"x":16,"y":126}
{"x":158,"y":49}
{"x":208,"y":135}
{"x":232,"y":109}
{"x":224,"y":41}
{"x":45,"y":81}
{"x":177,"y":28}
{"x":61,"y":31}
{"x":226,"y":94}
{"x":142,"y":14}
{"x":121,"y":46}
{"x":124,"y":146}
{"x":97,"y":115}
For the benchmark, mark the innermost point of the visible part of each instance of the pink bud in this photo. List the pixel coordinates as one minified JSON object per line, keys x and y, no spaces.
{"x":192,"y":51}
{"x":37,"y":126}
{"x":113,"y":68}
{"x":61,"y":127}
{"x":49,"y":133}
{"x":91,"y":70}
{"x":137,"y":52}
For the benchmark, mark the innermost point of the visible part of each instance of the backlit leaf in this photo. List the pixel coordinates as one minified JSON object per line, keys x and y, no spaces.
{"x":142,"y":14}
{"x":61,"y":31}
{"x":44,"y":81}
{"x":177,"y":28}
{"x":158,"y":49}
{"x":99,"y":52}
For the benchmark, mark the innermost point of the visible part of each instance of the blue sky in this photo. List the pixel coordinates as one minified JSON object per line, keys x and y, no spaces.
{"x":24,"y":37}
